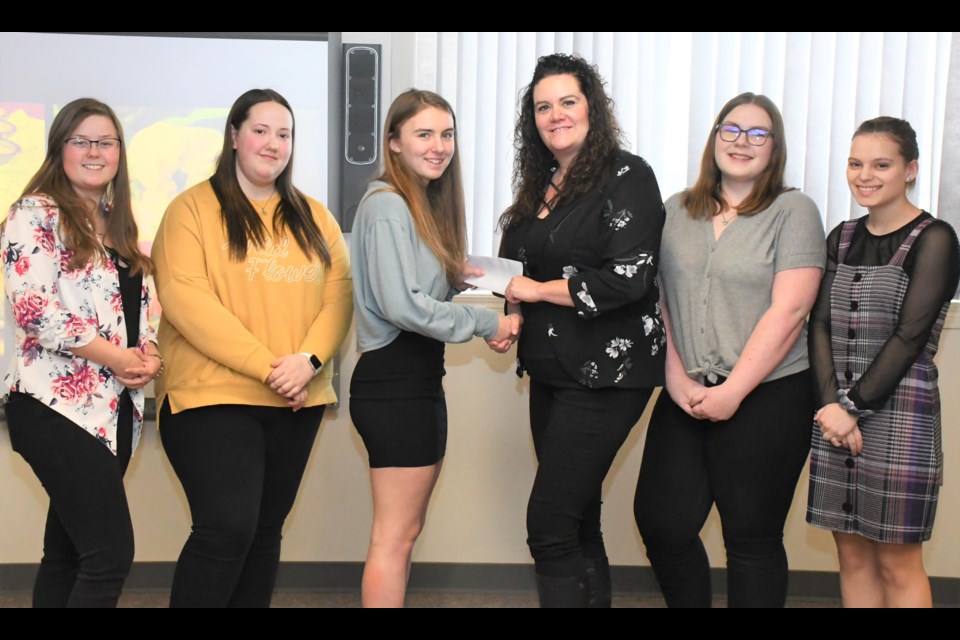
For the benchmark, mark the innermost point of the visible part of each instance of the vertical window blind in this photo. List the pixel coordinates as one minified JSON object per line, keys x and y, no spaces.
{"x":668,"y":88}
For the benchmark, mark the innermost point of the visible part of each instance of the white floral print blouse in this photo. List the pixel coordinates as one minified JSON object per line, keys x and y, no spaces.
{"x":54,"y":309}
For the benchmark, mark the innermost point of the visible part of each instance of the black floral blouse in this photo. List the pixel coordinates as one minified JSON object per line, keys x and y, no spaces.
{"x":605,"y":244}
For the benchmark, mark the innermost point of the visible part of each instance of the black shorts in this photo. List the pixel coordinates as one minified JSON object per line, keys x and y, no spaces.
{"x":397,"y":403}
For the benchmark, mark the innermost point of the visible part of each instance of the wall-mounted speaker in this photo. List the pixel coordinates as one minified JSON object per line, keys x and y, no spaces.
{"x":360,"y":142}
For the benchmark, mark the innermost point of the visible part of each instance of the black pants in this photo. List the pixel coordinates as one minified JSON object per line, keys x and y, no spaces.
{"x":576,"y":433}
{"x":240,"y":467}
{"x":748,"y":466}
{"x":88,"y":539}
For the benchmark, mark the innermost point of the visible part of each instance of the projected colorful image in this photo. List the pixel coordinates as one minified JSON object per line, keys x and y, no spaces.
{"x":167,"y":152}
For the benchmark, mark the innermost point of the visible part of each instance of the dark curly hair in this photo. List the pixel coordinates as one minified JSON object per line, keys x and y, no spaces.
{"x":533,"y":163}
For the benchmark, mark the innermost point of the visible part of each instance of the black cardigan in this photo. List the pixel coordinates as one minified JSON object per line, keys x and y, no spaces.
{"x":605,"y":244}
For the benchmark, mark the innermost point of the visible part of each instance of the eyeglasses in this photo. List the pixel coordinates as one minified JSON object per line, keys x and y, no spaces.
{"x":730,"y":132}
{"x":103,"y":144}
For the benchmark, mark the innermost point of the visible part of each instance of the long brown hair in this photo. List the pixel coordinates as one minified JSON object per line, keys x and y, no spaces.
{"x":78,"y":230}
{"x":703,"y":199}
{"x":241,"y":220}
{"x":534,"y":163}
{"x":438,"y":210}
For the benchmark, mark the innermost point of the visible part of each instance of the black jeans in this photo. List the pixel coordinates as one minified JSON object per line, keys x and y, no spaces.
{"x":576,"y":433}
{"x":240,"y":467}
{"x":88,"y":539}
{"x":748,"y":466}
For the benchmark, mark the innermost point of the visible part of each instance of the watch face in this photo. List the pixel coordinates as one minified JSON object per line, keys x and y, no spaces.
{"x":315,"y":361}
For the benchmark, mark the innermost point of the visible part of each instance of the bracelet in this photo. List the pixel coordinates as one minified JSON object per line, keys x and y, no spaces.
{"x":160,"y":358}
{"x":849,"y":406}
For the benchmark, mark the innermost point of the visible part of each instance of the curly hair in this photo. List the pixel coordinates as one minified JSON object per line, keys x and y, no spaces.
{"x":534,"y":163}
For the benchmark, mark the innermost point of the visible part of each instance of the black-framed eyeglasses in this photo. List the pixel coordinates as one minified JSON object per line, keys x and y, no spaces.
{"x":103,"y":144}
{"x":729,"y":132}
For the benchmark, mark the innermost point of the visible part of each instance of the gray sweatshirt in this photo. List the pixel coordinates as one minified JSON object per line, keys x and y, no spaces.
{"x":398,"y":284}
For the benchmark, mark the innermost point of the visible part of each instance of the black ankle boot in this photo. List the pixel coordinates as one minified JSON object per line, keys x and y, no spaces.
{"x":563,"y":593}
{"x":598,"y":582}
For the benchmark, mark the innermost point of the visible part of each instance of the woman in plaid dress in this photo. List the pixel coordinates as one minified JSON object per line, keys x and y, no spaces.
{"x":877,"y":465}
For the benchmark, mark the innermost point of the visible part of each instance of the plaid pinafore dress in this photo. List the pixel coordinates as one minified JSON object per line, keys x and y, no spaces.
{"x":889,"y":492}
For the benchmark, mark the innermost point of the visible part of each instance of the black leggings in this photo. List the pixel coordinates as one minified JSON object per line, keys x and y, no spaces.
{"x":88,"y":540}
{"x":576,"y":433}
{"x":240,"y":467}
{"x":748,"y":466}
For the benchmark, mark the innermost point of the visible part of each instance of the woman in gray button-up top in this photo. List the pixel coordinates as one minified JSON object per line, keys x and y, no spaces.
{"x":741,"y":259}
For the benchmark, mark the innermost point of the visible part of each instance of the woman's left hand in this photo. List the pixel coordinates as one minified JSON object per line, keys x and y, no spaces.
{"x":715,"y":403}
{"x":137,"y":378}
{"x":836,"y":424}
{"x":522,"y":289}
{"x":290,"y":375}
{"x":469,"y":272}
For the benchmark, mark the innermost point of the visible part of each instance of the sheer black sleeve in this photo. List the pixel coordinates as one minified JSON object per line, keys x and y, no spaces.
{"x":818,"y":332}
{"x":933,"y":281}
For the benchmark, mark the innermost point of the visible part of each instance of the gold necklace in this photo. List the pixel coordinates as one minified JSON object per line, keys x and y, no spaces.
{"x":262,"y":204}
{"x":723,"y":218}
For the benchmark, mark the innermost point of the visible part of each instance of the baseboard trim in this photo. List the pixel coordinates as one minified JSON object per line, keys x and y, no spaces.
{"x":345,"y":576}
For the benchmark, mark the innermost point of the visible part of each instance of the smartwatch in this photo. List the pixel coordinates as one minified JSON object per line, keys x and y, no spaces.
{"x":314,"y":362}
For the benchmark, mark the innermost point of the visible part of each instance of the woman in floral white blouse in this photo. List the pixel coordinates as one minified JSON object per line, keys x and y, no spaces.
{"x":81,"y":294}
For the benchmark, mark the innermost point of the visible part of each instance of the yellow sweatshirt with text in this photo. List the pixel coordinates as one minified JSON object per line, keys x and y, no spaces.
{"x":225,"y":321}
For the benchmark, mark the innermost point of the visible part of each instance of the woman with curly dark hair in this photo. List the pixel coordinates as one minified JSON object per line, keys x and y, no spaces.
{"x":586,"y":226}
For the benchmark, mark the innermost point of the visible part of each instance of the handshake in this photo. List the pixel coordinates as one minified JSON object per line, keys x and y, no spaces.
{"x":508,"y":327}
{"x":508,"y":330}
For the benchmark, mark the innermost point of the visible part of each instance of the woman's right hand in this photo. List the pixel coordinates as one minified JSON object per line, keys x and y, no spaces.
{"x":298,"y":400}
{"x":508,"y":330}
{"x":140,"y":376}
{"x":291,"y":374}
{"x":682,"y":391}
{"x":126,"y":363}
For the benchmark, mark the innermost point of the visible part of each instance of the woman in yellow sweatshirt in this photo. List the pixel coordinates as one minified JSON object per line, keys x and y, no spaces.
{"x":254,"y":279}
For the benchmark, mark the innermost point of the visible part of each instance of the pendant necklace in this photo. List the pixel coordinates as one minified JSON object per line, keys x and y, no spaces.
{"x":262,"y":205}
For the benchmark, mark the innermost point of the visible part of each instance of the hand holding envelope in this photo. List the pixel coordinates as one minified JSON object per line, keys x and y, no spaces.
{"x":497,"y":272}
{"x":496,"y":275}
